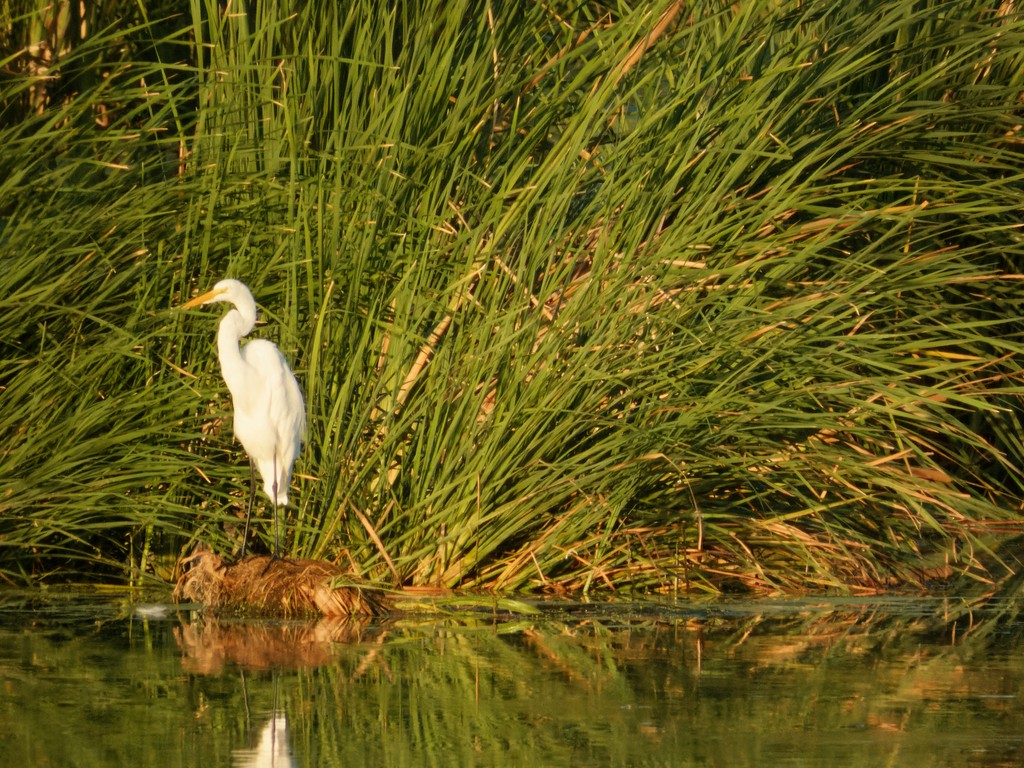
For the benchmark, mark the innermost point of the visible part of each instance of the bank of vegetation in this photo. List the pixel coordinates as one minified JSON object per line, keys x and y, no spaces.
{"x":582,"y":296}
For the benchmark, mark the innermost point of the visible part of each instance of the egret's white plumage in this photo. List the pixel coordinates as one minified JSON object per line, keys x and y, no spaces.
{"x":270,"y":417}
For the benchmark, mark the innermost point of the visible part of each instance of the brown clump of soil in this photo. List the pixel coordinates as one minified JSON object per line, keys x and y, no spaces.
{"x":264,"y":586}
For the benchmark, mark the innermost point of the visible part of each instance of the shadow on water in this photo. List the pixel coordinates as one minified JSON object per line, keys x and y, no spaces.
{"x":938,"y":682}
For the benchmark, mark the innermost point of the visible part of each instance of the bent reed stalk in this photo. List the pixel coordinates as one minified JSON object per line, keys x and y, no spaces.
{"x":580,"y":297}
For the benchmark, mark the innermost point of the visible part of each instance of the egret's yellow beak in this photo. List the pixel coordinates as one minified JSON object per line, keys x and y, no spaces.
{"x":203,"y":299}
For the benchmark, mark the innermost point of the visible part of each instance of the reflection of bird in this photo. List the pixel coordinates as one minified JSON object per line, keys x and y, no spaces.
{"x":272,"y":751}
{"x":270,"y":417}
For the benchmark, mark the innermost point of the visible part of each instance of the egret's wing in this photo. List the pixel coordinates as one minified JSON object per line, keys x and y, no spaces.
{"x":282,"y":398}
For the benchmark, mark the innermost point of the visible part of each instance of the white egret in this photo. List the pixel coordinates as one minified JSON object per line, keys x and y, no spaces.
{"x":270,"y":417}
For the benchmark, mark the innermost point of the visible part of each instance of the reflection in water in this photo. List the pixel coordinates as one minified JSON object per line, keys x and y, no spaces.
{"x":272,"y":750}
{"x":209,"y":646}
{"x":798,"y":683}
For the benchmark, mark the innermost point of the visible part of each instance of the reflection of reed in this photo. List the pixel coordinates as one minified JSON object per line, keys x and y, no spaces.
{"x":795,"y":682}
{"x":603,"y":687}
{"x":272,"y":750}
{"x":209,"y":645}
{"x":644,"y":676}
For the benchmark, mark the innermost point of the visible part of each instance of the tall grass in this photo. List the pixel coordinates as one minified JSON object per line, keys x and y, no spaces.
{"x":579,"y":296}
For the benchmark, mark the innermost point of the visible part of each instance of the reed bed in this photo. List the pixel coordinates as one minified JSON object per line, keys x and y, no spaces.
{"x":581,"y":296}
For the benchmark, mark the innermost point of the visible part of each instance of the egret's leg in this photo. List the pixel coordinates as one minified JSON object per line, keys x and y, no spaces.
{"x":277,"y":544}
{"x":248,"y":511}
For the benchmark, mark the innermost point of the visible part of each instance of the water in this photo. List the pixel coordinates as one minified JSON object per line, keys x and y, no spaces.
{"x":87,"y":680}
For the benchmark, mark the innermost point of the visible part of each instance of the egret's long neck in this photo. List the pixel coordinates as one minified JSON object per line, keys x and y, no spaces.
{"x":236,"y":324}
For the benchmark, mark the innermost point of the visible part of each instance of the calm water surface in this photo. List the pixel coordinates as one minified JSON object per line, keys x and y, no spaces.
{"x":89,"y":681}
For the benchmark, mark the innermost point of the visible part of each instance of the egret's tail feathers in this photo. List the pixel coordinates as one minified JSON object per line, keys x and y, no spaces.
{"x":282,"y":494}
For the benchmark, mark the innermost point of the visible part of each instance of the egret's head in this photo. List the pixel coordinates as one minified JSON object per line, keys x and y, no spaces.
{"x":231,"y":291}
